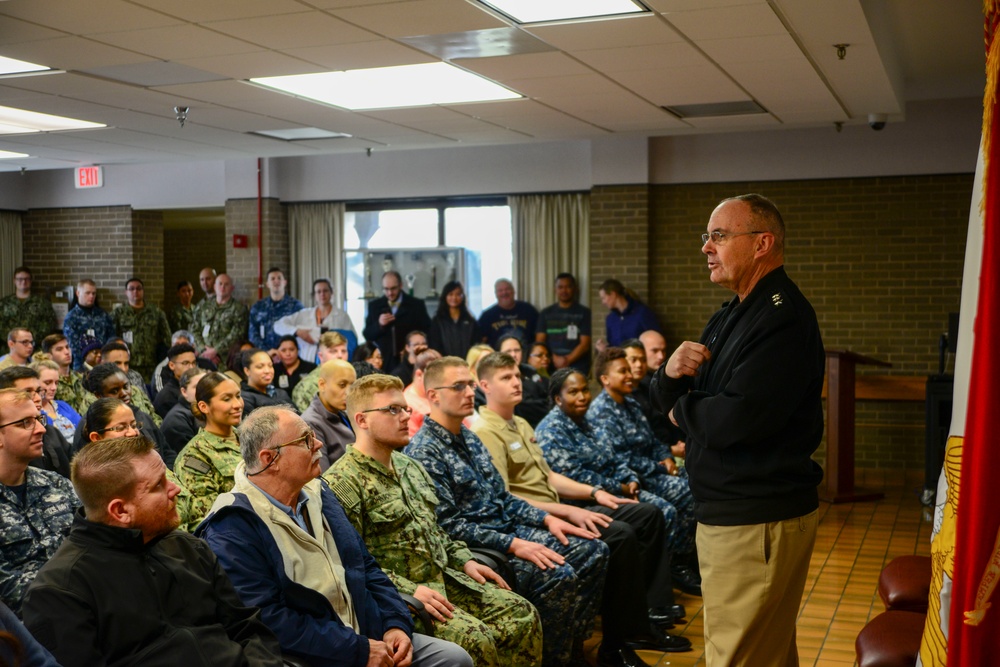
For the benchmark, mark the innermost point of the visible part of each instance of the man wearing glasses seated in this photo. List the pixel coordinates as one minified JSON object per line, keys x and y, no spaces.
{"x":56,"y":451}
{"x":289,"y":549}
{"x":36,"y":506}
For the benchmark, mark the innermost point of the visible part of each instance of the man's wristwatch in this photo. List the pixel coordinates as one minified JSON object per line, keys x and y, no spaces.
{"x":593,"y":491}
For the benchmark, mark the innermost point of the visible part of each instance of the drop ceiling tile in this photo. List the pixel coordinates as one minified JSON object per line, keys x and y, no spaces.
{"x":289,"y":31}
{"x":526,"y":66}
{"x":200,"y":11}
{"x":13,"y":31}
{"x":545,"y":87}
{"x":631,"y":58}
{"x":688,"y":5}
{"x":416,"y":114}
{"x":83,"y":18}
{"x":70,"y":53}
{"x":420,"y":17}
{"x":168,"y":43}
{"x":691,"y":85}
{"x":607,"y":34}
{"x":361,"y":55}
{"x":727,"y":22}
{"x":756,"y":50}
{"x":251,"y":65}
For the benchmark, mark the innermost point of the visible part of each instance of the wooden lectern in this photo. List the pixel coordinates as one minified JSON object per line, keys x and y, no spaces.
{"x":839,"y":488}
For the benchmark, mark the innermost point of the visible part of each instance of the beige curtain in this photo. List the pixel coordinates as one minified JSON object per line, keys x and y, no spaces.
{"x":316,"y":240}
{"x":10,"y":250}
{"x":551,"y":235}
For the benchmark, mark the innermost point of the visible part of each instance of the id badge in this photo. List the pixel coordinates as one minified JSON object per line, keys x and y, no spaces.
{"x":207,"y":330}
{"x":127,"y":337}
{"x":90,"y":332}
{"x":262,"y":334}
{"x":572,"y":332}
{"x":282,"y":379}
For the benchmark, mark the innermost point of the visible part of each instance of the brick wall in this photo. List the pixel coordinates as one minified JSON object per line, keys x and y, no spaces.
{"x":147,"y":253}
{"x":241,"y":263}
{"x":186,"y":253}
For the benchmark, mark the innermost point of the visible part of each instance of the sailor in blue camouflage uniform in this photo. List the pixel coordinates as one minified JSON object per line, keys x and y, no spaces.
{"x":475,"y":507}
{"x":36,"y":506}
{"x":269,"y":310}
{"x":86,"y":322}
{"x":617,"y":419}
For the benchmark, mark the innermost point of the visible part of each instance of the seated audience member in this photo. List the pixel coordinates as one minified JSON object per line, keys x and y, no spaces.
{"x":560,"y":568}
{"x":69,"y":385}
{"x":565,"y":327}
{"x":416,"y":394}
{"x":508,"y":316}
{"x":86,"y":323}
{"x":615,"y":417}
{"x":327,"y":414}
{"x":663,"y":430}
{"x":472,"y":359}
{"x":206,"y":465}
{"x":364,"y":369}
{"x":108,"y":381}
{"x":453,"y":328}
{"x":309,"y":324}
{"x":56,"y":450}
{"x":234,"y":362}
{"x":180,"y":358}
{"x":258,"y":389}
{"x":332,"y":345}
{"x":290,"y":369}
{"x":36,"y":505}
{"x":162,"y":372}
{"x":17,"y":646}
{"x":116,"y":352}
{"x":656,"y":348}
{"x":389,"y":499}
{"x":289,"y":549}
{"x":58,"y":413}
{"x":634,"y":532}
{"x":270,"y":309}
{"x":180,"y":425}
{"x":181,"y":316}
{"x":539,"y":358}
{"x":416,"y":342}
{"x":627,"y":316}
{"x":110,"y":418}
{"x":126,"y":588}
{"x":91,"y":355}
{"x":21,"y":343}
{"x":369,"y":352}
{"x":534,"y":402}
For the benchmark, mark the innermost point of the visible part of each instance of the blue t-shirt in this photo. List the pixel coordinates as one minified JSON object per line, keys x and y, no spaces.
{"x":563,"y":327}
{"x":520,"y":321}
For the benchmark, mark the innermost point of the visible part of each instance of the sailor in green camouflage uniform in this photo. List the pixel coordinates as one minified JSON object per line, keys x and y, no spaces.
{"x":21,"y":309}
{"x":143,"y":327}
{"x":220,"y":324}
{"x":182,"y":315}
{"x":70,"y":389}
{"x":392,"y":507}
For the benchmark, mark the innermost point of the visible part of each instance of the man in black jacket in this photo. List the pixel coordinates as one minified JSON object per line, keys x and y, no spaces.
{"x":392,"y":316}
{"x":748,"y":397}
{"x":125,"y":588}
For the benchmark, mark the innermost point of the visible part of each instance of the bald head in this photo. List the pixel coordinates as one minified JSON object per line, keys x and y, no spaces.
{"x":335,"y":378}
{"x":656,"y":348}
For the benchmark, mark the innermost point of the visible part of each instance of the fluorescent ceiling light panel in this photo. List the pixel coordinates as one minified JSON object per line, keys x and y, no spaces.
{"x":19,"y":121}
{"x":11,"y":66}
{"x":537,"y":11}
{"x":391,"y":87}
{"x":301,"y":134}
{"x":8,"y":155}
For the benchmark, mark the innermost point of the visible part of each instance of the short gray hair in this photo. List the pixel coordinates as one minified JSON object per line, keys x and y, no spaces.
{"x":181,"y":333}
{"x":257,"y":431}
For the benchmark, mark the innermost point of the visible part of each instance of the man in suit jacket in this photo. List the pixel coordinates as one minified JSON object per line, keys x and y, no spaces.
{"x":394,"y":315}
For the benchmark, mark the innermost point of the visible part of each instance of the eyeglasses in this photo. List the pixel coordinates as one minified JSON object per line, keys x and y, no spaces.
{"x":460,"y":386}
{"x":307,"y":441}
{"x":27,"y":341}
{"x":393,"y":409}
{"x":539,"y":354}
{"x":28,"y":423}
{"x":718,"y":238}
{"x":121,"y":428}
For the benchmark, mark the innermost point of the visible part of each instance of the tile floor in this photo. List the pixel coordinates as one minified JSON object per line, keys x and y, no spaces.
{"x":854,"y":542}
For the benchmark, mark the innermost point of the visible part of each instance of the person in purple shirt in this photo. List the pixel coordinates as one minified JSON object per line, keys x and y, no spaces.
{"x":627,"y":317}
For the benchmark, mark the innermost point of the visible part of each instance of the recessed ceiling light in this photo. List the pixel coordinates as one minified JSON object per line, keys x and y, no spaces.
{"x":11,"y":66}
{"x":301,"y":134}
{"x":536,"y":11}
{"x":7,"y":155}
{"x":19,"y":121}
{"x":391,"y":87}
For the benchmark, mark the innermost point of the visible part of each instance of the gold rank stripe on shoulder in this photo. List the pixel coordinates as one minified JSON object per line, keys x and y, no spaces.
{"x":345,"y":493}
{"x":777,"y":299}
{"x":197,"y":465}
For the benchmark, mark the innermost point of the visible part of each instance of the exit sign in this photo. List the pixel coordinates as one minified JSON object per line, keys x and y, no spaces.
{"x":89,"y":177}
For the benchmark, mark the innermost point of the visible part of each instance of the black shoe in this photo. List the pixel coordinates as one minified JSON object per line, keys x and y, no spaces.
{"x":623,"y":657}
{"x":686,"y":580}
{"x":667,"y":616}
{"x":657,"y":640}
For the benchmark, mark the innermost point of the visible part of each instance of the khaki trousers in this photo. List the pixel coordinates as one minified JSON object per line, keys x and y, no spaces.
{"x":752,"y":582}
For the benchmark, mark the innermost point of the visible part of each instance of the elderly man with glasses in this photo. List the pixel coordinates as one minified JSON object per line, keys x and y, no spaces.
{"x":36,"y":506}
{"x":289,"y":549}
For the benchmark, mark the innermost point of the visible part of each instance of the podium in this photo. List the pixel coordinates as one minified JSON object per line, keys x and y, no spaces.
{"x":840,"y":410}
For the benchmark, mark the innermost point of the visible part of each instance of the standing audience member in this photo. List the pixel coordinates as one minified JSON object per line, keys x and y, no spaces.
{"x":56,"y":450}
{"x":180,"y":358}
{"x":748,"y":396}
{"x":327,"y":414}
{"x":309,"y":324}
{"x":392,"y":317}
{"x":257,"y":389}
{"x":182,"y":315}
{"x":180,"y":425}
{"x":453,"y":330}
{"x":86,"y":322}
{"x":290,"y":368}
{"x":69,"y":387}
{"x":334,"y":606}
{"x":269,"y":310}
{"x":369,"y":352}
{"x":117,"y":352}
{"x":206,"y":465}
{"x":143,"y":327}
{"x":21,"y":344}
{"x":36,"y":505}
{"x":206,"y":279}
{"x":220,"y":323}
{"x":331,"y":346}
{"x":627,"y":316}
{"x":127,"y":588}
{"x":565,"y":327}
{"x":21,"y":309}
{"x":508,"y":316}
{"x":416,"y":342}
{"x":59,"y":413}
